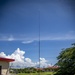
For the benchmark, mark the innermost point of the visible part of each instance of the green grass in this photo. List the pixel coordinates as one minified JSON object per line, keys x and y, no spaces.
{"x":41,"y":73}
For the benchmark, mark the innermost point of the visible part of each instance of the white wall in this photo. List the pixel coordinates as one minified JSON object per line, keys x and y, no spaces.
{"x":5,"y":67}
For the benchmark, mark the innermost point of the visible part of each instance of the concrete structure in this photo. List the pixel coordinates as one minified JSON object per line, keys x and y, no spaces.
{"x":4,"y":65}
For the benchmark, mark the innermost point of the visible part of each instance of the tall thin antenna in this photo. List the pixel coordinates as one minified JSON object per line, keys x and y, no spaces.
{"x":39,"y":40}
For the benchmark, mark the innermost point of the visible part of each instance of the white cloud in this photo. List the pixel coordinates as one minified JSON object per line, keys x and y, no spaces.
{"x":29,"y":63}
{"x":11,"y":38}
{"x":21,"y":61}
{"x":30,"y":39}
{"x":2,"y":54}
{"x":60,"y":36}
{"x":27,"y":42}
{"x":43,"y":62}
{"x":6,"y":38}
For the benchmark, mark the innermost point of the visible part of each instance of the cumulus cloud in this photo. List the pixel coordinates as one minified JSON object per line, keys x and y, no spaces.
{"x":43,"y":62}
{"x":22,"y":61}
{"x":2,"y":54}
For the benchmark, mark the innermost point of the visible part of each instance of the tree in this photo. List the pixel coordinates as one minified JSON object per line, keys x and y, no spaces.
{"x":66,"y":61}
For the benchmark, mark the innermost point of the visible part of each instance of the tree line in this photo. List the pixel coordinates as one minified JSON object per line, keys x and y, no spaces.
{"x":34,"y":70}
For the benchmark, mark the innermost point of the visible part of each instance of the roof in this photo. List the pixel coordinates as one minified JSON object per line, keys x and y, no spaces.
{"x":54,"y":67}
{"x":6,"y":59}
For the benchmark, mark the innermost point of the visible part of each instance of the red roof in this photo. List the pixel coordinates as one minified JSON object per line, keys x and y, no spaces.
{"x":6,"y":59}
{"x":53,"y":67}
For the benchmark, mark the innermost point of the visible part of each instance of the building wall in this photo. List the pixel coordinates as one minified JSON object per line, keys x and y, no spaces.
{"x":5,"y":67}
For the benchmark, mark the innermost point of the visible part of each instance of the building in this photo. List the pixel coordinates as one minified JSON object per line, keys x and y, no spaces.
{"x":4,"y":65}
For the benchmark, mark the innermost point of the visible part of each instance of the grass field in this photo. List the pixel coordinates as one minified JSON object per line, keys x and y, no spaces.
{"x":42,"y":73}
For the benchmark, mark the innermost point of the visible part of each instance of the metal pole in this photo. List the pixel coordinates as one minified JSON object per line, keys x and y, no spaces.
{"x":39,"y":39}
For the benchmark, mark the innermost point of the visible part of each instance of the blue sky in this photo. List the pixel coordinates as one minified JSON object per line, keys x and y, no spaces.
{"x":19,"y":27}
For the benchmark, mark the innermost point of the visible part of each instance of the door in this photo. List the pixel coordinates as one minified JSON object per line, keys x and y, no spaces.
{"x":0,"y":69}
